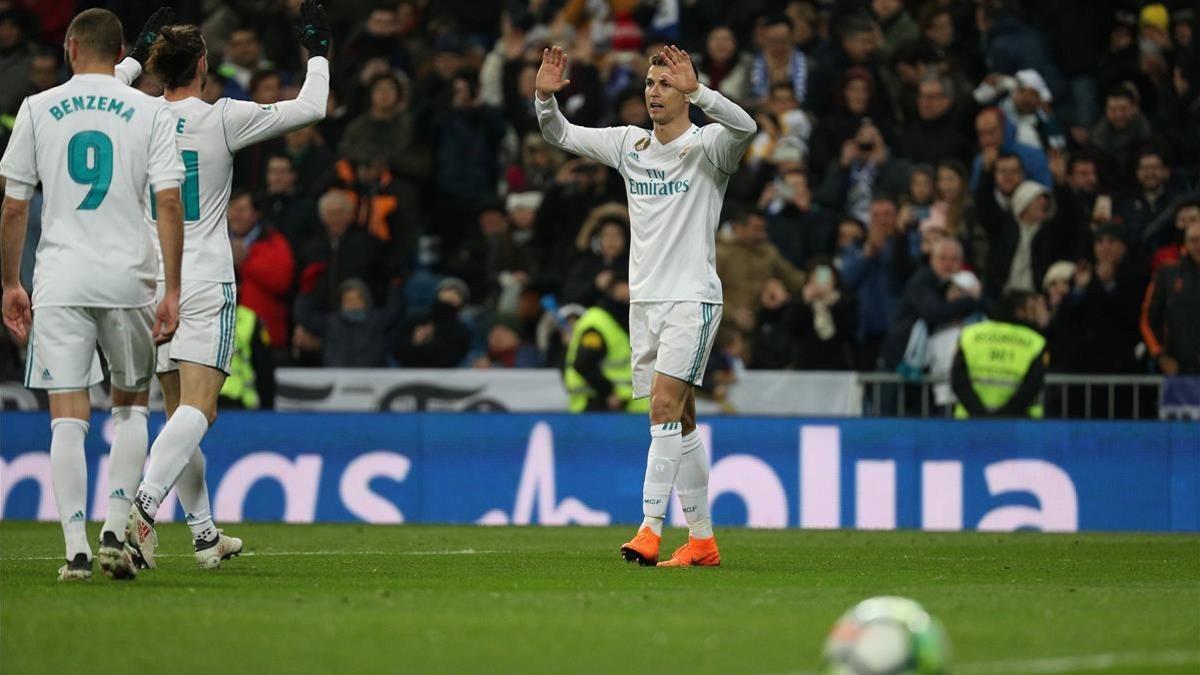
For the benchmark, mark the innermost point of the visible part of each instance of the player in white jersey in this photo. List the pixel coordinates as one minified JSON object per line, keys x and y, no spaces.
{"x":97,"y":147}
{"x":193,"y":366}
{"x":675,"y":178}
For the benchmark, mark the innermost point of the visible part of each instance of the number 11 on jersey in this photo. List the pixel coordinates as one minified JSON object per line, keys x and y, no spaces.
{"x":191,"y":188}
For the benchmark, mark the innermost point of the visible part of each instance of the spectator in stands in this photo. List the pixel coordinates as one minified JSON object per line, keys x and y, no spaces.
{"x":384,"y":207}
{"x":243,"y":58}
{"x":958,"y":209}
{"x":1123,"y":128}
{"x":855,"y":43}
{"x":1025,"y":101}
{"x":338,"y":253}
{"x":491,"y":262}
{"x":536,"y":166}
{"x":797,"y":225}
{"x":1169,"y":316}
{"x":935,"y":133}
{"x":876,"y":271}
{"x":853,"y":108}
{"x":313,"y":160}
{"x":896,"y":24}
{"x":997,"y":136}
{"x":264,"y":264}
{"x":359,"y":335}
{"x":437,"y":338}
{"x":776,"y":331}
{"x":779,"y":60}
{"x":825,"y":321}
{"x":865,"y":169}
{"x":1187,"y":213}
{"x":390,"y":125}
{"x":723,"y":67}
{"x":1037,"y":230}
{"x":1084,"y":181}
{"x":744,"y":265}
{"x":1010,"y":45}
{"x":284,"y":207}
{"x":506,"y":348}
{"x":604,"y":243}
{"x":1104,"y":305}
{"x":932,"y":297}
{"x":16,"y":59}
{"x":378,"y":37}
{"x":1147,"y":214}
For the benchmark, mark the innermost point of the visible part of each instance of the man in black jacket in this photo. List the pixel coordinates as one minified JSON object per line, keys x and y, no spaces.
{"x":928,"y":298}
{"x":936,"y":133}
{"x":1171,"y":313}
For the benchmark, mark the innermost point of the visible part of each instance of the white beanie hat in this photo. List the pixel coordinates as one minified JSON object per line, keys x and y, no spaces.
{"x":1034,"y":80}
{"x":1024,"y":195}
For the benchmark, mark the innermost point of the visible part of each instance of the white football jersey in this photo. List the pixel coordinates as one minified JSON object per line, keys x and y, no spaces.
{"x":675,"y":192}
{"x":208,"y":136}
{"x":96,"y":146}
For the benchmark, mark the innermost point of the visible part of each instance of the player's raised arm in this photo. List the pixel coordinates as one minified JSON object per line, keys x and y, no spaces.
{"x":727,"y":143}
{"x":128,"y":70}
{"x":248,"y":123}
{"x":602,"y":145}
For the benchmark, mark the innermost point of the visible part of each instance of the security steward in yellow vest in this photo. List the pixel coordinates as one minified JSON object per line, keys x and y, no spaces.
{"x":251,"y":381}
{"x":598,"y":371}
{"x":999,"y":369}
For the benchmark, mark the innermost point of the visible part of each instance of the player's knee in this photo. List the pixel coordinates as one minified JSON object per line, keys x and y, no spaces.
{"x":663,"y":408}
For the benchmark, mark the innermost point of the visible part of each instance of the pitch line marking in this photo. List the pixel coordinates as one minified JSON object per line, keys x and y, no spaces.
{"x":270,"y":554}
{"x":1070,"y":664}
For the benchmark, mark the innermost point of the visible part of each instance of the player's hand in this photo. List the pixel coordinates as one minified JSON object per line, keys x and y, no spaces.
{"x":681,"y":75}
{"x":163,"y":16}
{"x":166,"y":319}
{"x":549,"y":79}
{"x":314,"y":28}
{"x":18,"y":315}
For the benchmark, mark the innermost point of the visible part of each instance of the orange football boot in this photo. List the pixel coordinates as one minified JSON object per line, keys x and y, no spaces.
{"x":698,"y":552}
{"x":643,"y":549}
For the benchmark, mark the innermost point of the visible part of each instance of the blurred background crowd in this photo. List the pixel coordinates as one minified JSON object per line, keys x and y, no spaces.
{"x":915,"y":162}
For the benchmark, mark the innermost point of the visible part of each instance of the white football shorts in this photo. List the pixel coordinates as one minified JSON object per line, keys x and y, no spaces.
{"x":673,"y":338}
{"x":207,"y":311}
{"x":62,"y":347}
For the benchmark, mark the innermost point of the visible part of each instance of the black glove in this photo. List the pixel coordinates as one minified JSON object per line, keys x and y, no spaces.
{"x":314,"y":28}
{"x":163,"y":16}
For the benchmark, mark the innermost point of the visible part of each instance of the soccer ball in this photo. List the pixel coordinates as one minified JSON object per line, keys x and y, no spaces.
{"x":886,"y":635}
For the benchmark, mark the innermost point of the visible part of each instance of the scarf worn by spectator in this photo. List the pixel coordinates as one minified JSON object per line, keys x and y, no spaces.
{"x":760,"y":80}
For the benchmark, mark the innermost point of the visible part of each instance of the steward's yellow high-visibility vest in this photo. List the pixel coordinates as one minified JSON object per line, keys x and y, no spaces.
{"x":617,"y":367}
{"x":998,"y":355}
{"x":240,"y":386}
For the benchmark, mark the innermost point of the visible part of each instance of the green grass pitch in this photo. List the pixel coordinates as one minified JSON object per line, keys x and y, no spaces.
{"x":417,"y":599}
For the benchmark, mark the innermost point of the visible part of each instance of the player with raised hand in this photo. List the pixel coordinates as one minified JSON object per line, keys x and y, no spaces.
{"x":675,"y":177}
{"x":100,"y":149}
{"x":193,"y":367}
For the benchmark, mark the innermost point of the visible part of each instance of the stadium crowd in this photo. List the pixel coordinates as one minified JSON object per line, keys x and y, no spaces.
{"x":915,"y":161}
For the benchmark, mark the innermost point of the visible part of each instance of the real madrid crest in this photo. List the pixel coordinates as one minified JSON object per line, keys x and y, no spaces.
{"x":642,"y":143}
{"x":683,"y":153}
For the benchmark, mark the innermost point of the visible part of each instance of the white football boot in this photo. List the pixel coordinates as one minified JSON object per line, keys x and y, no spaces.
{"x":79,"y":569}
{"x":209,"y":554}
{"x":115,"y":561}
{"x":140,"y":538}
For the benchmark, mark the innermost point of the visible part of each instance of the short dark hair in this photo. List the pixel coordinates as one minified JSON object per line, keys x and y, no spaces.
{"x":1150,"y":151}
{"x":175,"y":55}
{"x":853,"y":24}
{"x":1006,"y":154}
{"x":284,"y":156}
{"x":744,"y":218}
{"x":263,"y":75}
{"x":1080,"y":157}
{"x":239,"y":193}
{"x":389,"y":76}
{"x":1124,"y":90}
{"x":776,"y":19}
{"x":99,"y":32}
{"x":1011,"y":304}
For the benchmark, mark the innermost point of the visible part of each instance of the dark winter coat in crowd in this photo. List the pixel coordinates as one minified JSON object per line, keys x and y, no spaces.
{"x":1106,"y":316}
{"x":446,"y":344}
{"x":1055,"y":240}
{"x":328,"y":262}
{"x":409,"y":159}
{"x":800,"y":235}
{"x":890,"y":179}
{"x":1169,"y":317}
{"x":930,"y":141}
{"x":877,"y":282}
{"x":836,"y":128}
{"x":363,"y":339}
{"x":924,"y":299}
{"x":1011,"y":46}
{"x":833,"y":352}
{"x":293,"y":214}
{"x":580,"y":285}
{"x":775,"y":340}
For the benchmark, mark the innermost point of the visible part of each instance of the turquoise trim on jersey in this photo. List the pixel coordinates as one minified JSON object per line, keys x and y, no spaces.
{"x":706,"y":312}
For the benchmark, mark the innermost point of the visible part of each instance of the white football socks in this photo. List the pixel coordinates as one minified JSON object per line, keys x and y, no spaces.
{"x":171,"y":452}
{"x":125,"y":462}
{"x":192,"y":489}
{"x":662,"y":463}
{"x":68,"y":475}
{"x":692,"y":486}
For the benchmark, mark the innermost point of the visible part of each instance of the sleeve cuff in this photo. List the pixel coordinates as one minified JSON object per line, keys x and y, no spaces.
{"x":167,"y":183}
{"x":18,"y":189}
{"x":549,"y":104}
{"x":695,"y":96}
